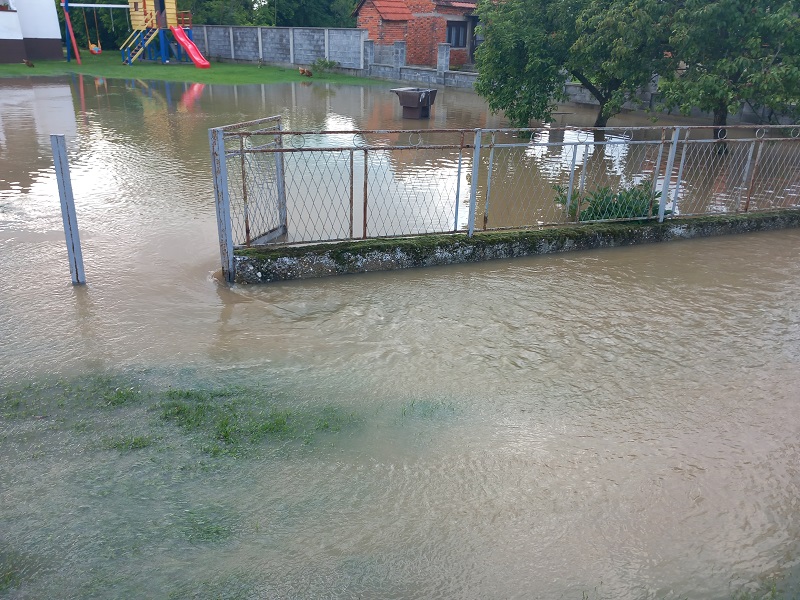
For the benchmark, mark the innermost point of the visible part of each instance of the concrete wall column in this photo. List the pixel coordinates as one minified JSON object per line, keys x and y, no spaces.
{"x":442,"y":61}
{"x":399,"y":58}
{"x":367,"y":54}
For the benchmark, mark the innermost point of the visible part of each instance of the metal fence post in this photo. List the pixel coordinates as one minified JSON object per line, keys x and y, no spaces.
{"x":216,"y":140}
{"x":59,"y":146}
{"x":668,"y":174}
{"x":366,"y":170}
{"x":680,"y":175}
{"x":572,"y":178}
{"x":244,"y":191}
{"x":488,"y":183}
{"x":746,"y":176}
{"x":753,"y":176}
{"x":458,"y":182}
{"x":280,"y":180}
{"x":476,"y":167}
{"x":351,"y":193}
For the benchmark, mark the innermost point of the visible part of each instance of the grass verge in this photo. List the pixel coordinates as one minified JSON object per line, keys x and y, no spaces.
{"x":109,"y":64}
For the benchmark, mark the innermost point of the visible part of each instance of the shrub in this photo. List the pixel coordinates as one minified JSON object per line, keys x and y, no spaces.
{"x":639,"y":201}
{"x":323,"y":65}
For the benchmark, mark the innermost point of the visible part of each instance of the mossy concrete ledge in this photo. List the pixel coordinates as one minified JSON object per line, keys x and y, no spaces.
{"x":261,"y":265}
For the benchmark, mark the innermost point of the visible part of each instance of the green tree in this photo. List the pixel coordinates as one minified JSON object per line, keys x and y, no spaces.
{"x":289,"y":13}
{"x":728,"y":52}
{"x":612,"y":47}
{"x":220,"y":12}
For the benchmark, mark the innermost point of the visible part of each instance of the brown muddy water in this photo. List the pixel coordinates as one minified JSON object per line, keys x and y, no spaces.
{"x":620,"y":424}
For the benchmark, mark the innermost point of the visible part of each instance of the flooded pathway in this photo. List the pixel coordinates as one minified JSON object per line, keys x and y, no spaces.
{"x":618,"y":424}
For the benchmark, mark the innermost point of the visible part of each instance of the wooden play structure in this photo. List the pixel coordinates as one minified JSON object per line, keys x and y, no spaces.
{"x":150,"y":21}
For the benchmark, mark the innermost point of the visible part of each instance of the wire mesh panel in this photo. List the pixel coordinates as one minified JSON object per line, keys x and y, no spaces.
{"x":775,"y":176}
{"x":562,"y":175}
{"x":300,"y":187}
{"x":255,"y":182}
{"x":414,"y":191}
{"x":318,"y":194}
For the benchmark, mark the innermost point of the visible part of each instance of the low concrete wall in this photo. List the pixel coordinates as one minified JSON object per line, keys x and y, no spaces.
{"x":282,"y":45}
{"x":279,"y":264}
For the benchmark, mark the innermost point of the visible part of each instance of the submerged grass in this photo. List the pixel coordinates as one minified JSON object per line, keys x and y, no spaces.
{"x":221,"y":420}
{"x":229,"y":421}
{"x":129,"y":442}
{"x":109,"y":64}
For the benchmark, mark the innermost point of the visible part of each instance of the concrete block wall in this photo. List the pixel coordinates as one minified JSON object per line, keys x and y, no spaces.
{"x":309,"y":45}
{"x":282,"y":45}
{"x":245,"y":43}
{"x":384,"y":55}
{"x":346,"y":46}
{"x":276,"y":44}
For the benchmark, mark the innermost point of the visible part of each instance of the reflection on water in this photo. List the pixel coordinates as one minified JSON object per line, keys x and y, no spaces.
{"x":621,"y":423}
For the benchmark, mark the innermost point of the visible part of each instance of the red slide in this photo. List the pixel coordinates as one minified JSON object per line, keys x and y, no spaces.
{"x":198,"y":59}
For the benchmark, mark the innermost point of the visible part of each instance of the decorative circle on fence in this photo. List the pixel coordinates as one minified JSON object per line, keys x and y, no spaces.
{"x":760,"y":133}
{"x":722,"y":133}
{"x":583,"y":136}
{"x":795,"y":132}
{"x":247,"y":142}
{"x":297,"y":140}
{"x":411,"y":141}
{"x":627,"y":133}
{"x":359,"y":141}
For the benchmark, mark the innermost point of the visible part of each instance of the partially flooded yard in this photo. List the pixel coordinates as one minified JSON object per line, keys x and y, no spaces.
{"x":620,"y":424}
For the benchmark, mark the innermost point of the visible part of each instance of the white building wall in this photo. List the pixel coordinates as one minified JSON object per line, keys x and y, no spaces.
{"x":9,"y":26}
{"x":38,"y":19}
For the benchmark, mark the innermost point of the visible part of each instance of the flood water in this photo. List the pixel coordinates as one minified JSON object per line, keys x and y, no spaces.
{"x":615,"y":424}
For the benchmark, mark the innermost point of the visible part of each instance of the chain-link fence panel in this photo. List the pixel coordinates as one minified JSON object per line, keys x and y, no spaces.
{"x":301,"y":187}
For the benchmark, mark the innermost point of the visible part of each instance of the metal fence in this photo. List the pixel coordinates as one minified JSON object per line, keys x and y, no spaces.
{"x":292,"y":187}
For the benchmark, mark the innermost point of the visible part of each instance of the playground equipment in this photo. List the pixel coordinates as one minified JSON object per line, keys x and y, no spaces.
{"x":93,"y":48}
{"x":150,"y":21}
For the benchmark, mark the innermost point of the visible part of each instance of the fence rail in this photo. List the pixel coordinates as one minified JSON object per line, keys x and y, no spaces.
{"x":291,"y":187}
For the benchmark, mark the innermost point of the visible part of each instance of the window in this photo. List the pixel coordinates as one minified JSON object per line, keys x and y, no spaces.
{"x":457,"y":34}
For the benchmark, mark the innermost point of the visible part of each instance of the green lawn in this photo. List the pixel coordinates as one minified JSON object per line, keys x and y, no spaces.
{"x":109,"y":64}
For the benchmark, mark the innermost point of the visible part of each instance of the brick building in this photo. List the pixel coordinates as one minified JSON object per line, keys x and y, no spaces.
{"x":422,"y":24}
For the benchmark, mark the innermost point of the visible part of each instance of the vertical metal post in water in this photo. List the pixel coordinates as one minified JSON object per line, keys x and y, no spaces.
{"x":489,"y":182}
{"x":222,"y":204}
{"x":476,"y":167}
{"x":668,"y":174}
{"x":59,"y":146}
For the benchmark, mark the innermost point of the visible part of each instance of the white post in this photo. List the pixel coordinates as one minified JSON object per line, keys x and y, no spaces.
{"x":59,"y":145}
{"x":473,"y":194}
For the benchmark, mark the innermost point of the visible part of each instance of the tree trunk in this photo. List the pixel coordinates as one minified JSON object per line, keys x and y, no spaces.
{"x":720,"y":133}
{"x":601,"y":120}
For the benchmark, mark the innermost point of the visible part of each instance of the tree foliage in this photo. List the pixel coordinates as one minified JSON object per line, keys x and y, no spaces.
{"x":289,"y":13}
{"x":728,"y":52}
{"x":713,"y":55}
{"x":612,"y":47}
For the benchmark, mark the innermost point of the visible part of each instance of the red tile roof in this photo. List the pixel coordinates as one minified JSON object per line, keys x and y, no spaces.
{"x":470,"y":5}
{"x":393,"y":10}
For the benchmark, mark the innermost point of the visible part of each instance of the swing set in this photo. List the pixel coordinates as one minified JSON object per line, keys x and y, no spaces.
{"x":93,"y":48}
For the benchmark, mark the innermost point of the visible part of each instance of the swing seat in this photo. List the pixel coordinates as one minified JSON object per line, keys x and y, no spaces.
{"x":95,"y":49}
